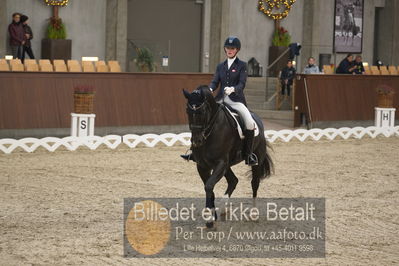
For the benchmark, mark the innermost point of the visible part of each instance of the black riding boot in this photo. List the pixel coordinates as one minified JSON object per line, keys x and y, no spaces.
{"x":188,"y":157}
{"x":250,"y":158}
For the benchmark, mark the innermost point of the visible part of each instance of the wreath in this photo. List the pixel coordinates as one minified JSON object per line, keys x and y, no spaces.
{"x":276,"y":9}
{"x":56,"y":2}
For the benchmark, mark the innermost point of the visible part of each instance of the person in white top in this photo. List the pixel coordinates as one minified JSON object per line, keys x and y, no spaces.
{"x":311,"y":67}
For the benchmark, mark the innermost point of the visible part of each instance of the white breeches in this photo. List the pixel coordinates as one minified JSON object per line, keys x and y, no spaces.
{"x":243,"y":111}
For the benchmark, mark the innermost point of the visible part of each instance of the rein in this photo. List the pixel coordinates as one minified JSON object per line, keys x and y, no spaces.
{"x":211,"y":125}
{"x":206,"y":132}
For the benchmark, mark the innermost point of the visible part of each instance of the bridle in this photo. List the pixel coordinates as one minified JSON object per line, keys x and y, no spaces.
{"x":207,"y":128}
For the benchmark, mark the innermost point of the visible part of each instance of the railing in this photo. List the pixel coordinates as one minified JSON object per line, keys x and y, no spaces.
{"x":267,"y":76}
{"x":151,"y":140}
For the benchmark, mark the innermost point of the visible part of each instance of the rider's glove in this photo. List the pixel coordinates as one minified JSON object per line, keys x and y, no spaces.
{"x":228,"y":90}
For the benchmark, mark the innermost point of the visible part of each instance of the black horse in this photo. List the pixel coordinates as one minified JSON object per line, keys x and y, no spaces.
{"x":217,"y":145}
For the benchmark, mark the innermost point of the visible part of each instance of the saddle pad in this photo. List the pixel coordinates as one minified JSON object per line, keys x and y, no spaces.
{"x":239,"y":129}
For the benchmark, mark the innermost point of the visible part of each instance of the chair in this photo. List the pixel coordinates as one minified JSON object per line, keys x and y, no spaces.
{"x":328,"y":70}
{"x":44,"y":62}
{"x":88,"y":68}
{"x":30,"y":61}
{"x":60,"y":68}
{"x":31,"y":67}
{"x":384,"y":70}
{"x":99,"y":63}
{"x":4,"y":67}
{"x":375,"y":70}
{"x":46,"y":68}
{"x":392,"y":70}
{"x":367,"y":70}
{"x":114,"y":68}
{"x":85,"y":63}
{"x":58,"y":62}
{"x":74,"y":68}
{"x":17,"y":67}
{"x":102,"y":68}
{"x":113,"y":62}
{"x":15,"y":61}
{"x":73,"y":62}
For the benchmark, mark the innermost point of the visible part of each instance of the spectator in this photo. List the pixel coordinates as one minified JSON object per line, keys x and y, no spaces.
{"x":287,"y":78}
{"x":29,"y":36}
{"x":311,"y":68}
{"x":346,"y":66}
{"x":17,"y":36}
{"x":359,"y":70}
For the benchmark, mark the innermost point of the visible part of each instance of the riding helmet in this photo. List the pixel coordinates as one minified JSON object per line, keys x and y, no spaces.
{"x":232,"y":42}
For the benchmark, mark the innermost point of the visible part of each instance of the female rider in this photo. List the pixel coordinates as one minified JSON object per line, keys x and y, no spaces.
{"x":231,"y":74}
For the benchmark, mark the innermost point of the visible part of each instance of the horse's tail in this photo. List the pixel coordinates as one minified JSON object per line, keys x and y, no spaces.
{"x":267,"y":165}
{"x":265,"y":168}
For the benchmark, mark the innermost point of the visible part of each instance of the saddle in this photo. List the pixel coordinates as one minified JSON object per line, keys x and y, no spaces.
{"x":236,"y":120}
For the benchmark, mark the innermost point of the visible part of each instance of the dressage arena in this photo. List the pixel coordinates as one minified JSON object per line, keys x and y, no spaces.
{"x":65,"y":207}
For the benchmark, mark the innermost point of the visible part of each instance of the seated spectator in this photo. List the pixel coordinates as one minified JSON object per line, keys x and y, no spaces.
{"x":311,"y":67}
{"x":29,"y":36}
{"x":359,"y":70}
{"x":287,"y":78}
{"x":346,"y":66}
{"x":17,"y":36}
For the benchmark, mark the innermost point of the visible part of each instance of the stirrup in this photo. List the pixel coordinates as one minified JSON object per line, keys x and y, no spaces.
{"x":251,"y":160}
{"x":188,"y":156}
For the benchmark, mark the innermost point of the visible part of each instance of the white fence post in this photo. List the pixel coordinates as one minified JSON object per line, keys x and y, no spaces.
{"x":384,"y":117}
{"x":82,"y":125}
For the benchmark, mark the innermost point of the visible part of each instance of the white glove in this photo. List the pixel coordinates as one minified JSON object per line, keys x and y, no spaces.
{"x":228,"y":90}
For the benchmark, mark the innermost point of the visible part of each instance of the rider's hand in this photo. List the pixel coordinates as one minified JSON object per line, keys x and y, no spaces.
{"x":228,"y":90}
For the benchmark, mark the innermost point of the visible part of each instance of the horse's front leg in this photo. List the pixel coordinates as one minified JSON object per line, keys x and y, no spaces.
{"x":217,"y":174}
{"x":232,"y":181}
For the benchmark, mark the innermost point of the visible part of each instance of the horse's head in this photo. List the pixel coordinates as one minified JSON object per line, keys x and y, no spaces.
{"x":200,"y":108}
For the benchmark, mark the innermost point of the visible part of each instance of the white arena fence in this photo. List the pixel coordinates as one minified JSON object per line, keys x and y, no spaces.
{"x":169,"y":139}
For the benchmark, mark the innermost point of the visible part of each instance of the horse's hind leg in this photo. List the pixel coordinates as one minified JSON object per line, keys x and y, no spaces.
{"x":232,"y":181}
{"x":256,"y":175}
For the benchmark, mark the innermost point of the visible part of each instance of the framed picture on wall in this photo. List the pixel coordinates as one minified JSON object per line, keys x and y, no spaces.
{"x":348,"y":26}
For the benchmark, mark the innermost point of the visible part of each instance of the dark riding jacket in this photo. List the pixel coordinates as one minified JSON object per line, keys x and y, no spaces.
{"x":235,"y":77}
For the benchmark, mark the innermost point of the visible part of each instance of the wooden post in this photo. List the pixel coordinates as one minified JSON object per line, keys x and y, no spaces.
{"x":276,"y":24}
{"x":55,"y":11}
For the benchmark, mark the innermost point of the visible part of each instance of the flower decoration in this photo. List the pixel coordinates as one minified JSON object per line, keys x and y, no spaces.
{"x":56,"y":2}
{"x":276,"y":9}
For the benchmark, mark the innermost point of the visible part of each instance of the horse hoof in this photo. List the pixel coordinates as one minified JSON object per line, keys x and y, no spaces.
{"x":209,"y":225}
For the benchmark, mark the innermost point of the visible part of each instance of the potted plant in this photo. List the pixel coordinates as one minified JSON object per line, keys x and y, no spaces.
{"x":83,"y":99}
{"x":144,"y":60}
{"x":56,"y":29}
{"x":385,"y":96}
{"x":56,"y":46}
{"x":281,"y":37}
{"x":280,"y":42}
